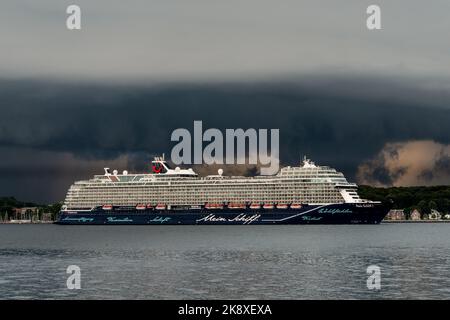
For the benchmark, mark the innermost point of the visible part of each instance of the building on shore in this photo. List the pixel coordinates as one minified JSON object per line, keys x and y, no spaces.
{"x":415,"y":215}
{"x":25,"y":213}
{"x":396,"y":214}
{"x":435,"y":215}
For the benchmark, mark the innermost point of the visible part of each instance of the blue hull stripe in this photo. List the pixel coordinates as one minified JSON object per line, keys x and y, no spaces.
{"x":309,"y":214}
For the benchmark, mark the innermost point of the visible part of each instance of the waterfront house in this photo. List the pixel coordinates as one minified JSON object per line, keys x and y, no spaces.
{"x":415,"y":215}
{"x":435,"y":215}
{"x":397,"y":214}
{"x":25,"y":213}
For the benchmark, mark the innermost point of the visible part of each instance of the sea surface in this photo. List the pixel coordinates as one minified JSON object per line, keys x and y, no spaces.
{"x":226,"y":262}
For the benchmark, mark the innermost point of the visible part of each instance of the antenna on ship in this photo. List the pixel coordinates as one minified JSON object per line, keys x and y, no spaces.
{"x":305,"y":160}
{"x":307,"y":163}
{"x":156,"y":158}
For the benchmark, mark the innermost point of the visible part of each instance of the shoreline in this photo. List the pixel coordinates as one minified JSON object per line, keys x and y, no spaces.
{"x":40,"y":222}
{"x":415,"y":221}
{"x":384,"y":221}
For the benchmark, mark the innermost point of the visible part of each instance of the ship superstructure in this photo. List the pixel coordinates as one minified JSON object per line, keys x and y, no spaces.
{"x":307,"y":183}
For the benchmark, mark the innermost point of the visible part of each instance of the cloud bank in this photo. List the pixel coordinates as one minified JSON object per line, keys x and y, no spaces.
{"x":54,"y":133}
{"x":412,"y":163}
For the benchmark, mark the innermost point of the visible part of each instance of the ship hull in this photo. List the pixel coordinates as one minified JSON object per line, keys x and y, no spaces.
{"x":346,"y":213}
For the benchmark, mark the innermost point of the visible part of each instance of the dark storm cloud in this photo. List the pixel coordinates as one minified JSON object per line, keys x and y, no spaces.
{"x":337,"y":121}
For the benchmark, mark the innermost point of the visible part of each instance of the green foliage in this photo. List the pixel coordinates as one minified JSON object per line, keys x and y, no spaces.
{"x":409,"y":198}
{"x":53,"y":209}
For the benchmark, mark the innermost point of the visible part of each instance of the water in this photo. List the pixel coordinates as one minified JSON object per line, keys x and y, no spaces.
{"x":225,"y":262}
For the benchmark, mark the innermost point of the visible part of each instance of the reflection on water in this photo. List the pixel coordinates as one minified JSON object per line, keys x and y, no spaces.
{"x":225,"y":262}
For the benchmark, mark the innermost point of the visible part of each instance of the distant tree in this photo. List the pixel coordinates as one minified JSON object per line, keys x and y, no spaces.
{"x":423,"y":207}
{"x":407,"y":212}
{"x":409,"y":197}
{"x":432,"y":205}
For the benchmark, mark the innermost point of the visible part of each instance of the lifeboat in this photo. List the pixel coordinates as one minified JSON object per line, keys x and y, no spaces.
{"x":214,"y":206}
{"x":160,"y":206}
{"x":282,"y":206}
{"x":255,"y":206}
{"x":149,"y":206}
{"x":140,"y":207}
{"x":268,"y":206}
{"x":296,"y":206}
{"x":237,"y":206}
{"x":107,"y":207}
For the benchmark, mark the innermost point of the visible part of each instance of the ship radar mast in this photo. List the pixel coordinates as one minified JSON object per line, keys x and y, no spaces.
{"x":160,"y":159}
{"x":307,"y":163}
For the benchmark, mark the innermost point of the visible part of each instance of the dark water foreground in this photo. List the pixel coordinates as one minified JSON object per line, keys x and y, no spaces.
{"x":225,"y":262}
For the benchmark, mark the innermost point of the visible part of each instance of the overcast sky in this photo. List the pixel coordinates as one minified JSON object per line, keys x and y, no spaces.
{"x":367,"y":102}
{"x":216,"y":39}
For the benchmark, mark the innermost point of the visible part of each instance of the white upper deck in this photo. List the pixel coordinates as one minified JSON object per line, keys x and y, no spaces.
{"x":306,"y":183}
{"x":162,"y":171}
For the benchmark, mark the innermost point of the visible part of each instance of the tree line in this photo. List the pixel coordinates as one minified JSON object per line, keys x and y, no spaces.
{"x":423,"y":199}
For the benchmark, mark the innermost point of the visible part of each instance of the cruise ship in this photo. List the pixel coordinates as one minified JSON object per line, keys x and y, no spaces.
{"x":304,"y":194}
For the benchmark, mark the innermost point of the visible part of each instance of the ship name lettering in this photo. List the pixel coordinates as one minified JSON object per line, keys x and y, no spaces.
{"x":333,"y":211}
{"x":160,"y":219}
{"x":308,"y":218}
{"x":114,"y":219}
{"x":212,"y":217}
{"x":246,"y":219}
{"x":365,"y":205}
{"x":82,"y":219}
